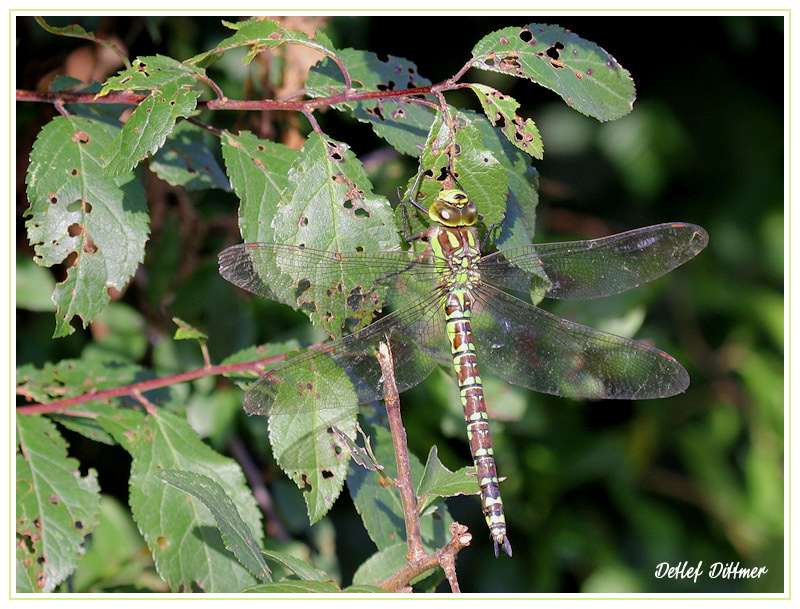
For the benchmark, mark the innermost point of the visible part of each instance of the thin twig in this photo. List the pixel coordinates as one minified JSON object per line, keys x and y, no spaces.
{"x":404,"y":483}
{"x":418,"y":560}
{"x":135,"y":389}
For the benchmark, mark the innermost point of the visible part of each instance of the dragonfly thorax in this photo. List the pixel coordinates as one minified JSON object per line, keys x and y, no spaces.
{"x":452,"y":208}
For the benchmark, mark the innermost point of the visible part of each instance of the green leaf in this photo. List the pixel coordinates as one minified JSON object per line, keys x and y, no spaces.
{"x":299,"y":567}
{"x":186,"y":160}
{"x":171,"y":95}
{"x":296,"y":587}
{"x":519,"y":218}
{"x":56,"y":506}
{"x":76,"y":31}
{"x":329,"y":205}
{"x":503,"y":109}
{"x":186,"y":331}
{"x":477,"y":169}
{"x":258,"y":171}
{"x":188,"y":550}
{"x":400,"y":121}
{"x":261,"y":34}
{"x":312,"y":454}
{"x":438,"y":481}
{"x":76,"y":214}
{"x":584,"y":75}
{"x":235,"y":533}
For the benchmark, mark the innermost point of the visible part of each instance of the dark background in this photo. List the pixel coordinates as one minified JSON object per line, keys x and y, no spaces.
{"x":597,"y":494}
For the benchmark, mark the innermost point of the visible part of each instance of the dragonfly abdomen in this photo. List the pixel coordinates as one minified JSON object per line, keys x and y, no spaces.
{"x":457,"y":318}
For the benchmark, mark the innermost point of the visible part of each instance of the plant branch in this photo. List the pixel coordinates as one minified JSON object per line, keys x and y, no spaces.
{"x":223,"y":103}
{"x":135,"y":390}
{"x":404,"y":483}
{"x":418,"y":560}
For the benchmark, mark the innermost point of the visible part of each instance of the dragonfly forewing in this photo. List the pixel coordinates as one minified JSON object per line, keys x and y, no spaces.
{"x":582,"y":270}
{"x":335,"y":289}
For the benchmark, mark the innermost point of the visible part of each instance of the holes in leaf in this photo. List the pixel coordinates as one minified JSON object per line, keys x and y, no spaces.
{"x":80,"y":137}
{"x":303,"y":220}
{"x":334,"y":152}
{"x":74,"y":229}
{"x":376,"y":112}
{"x":79,"y":525}
{"x":89,"y":247}
{"x":526,"y":36}
{"x":326,"y":474}
{"x":74,"y":172}
{"x":53,"y":198}
{"x":53,"y":500}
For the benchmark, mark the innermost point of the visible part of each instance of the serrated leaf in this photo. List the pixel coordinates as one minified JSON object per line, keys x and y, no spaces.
{"x":401,"y":122}
{"x":329,"y":205}
{"x":312,"y":455}
{"x":380,"y":506}
{"x":235,"y":533}
{"x":477,"y":170}
{"x":188,"y":550}
{"x":438,"y":481}
{"x":501,"y":108}
{"x":171,"y":95}
{"x":258,"y":171}
{"x":56,"y":506}
{"x":261,"y":34}
{"x":519,"y":218}
{"x":186,"y":160}
{"x":584,"y":75}
{"x":74,"y":209}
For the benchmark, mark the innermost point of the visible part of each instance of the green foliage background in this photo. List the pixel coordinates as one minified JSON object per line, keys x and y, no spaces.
{"x":597,"y":494}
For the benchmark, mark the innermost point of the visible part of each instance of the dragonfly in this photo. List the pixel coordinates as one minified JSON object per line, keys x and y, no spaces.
{"x":452,"y":304}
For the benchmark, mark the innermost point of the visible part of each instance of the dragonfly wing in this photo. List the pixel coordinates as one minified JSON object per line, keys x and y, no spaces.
{"x":579,"y":270}
{"x":532,"y":348}
{"x":346,"y":372}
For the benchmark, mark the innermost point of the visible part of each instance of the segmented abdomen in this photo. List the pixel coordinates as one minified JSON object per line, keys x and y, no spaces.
{"x":458,"y":305}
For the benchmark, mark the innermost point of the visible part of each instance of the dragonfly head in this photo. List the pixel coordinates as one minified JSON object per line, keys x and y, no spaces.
{"x":452,"y":208}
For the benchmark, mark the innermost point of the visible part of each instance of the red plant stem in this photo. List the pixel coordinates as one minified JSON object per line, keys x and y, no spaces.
{"x":223,"y":103}
{"x":136,"y":389}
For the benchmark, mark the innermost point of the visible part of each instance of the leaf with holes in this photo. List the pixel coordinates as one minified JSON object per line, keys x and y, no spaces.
{"x":171,"y":95}
{"x":478,"y":170}
{"x":181,"y":532}
{"x":96,"y":225}
{"x":56,"y":506}
{"x":501,"y":108}
{"x":261,"y":34}
{"x":258,"y":171}
{"x":584,"y":75}
{"x":312,"y":454}
{"x":402,"y":122}
{"x":329,"y":205}
{"x":519,"y":217}
{"x":186,"y":160}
